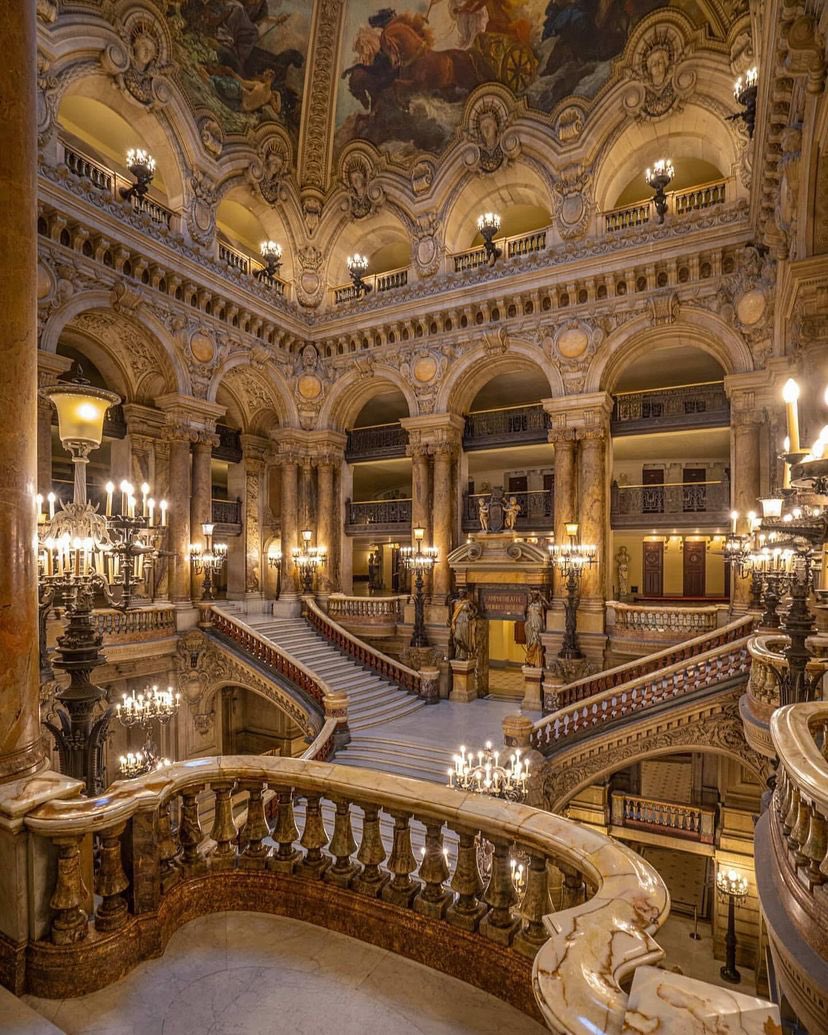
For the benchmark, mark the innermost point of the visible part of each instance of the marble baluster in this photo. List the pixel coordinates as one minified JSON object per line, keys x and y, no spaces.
{"x":314,"y":839}
{"x":499,"y":924}
{"x":342,"y":846}
{"x":169,"y":849}
{"x":70,"y":923}
{"x":371,"y":854}
{"x":190,"y":832}
{"x":468,"y":910}
{"x":285,"y":832}
{"x":533,"y":908}
{"x":21,"y":741}
{"x":111,"y":881}
{"x":224,"y":828}
{"x":402,"y":887}
{"x":254,"y":851}
{"x":574,"y":892}
{"x":434,"y":898}
{"x":815,"y":847}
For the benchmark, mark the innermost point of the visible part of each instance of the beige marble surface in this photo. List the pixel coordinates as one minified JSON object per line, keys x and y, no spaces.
{"x":662,"y":1001}
{"x":246,"y":974}
{"x":18,"y":1018}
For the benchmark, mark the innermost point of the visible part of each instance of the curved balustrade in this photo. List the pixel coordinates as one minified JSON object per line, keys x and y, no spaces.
{"x":368,"y":610}
{"x":140,"y":623}
{"x":591,"y":686}
{"x":394,"y":671}
{"x":702,"y":671}
{"x":669,"y":623}
{"x":156,"y":869}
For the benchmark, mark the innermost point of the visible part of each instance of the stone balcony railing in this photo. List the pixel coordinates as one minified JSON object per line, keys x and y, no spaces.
{"x":392,"y":280}
{"x":689,"y":822}
{"x":679,"y":203}
{"x":157,"y":868}
{"x":111,"y":183}
{"x":659,"y":506}
{"x":376,"y":442}
{"x":366,"y":517}
{"x":639,"y":628}
{"x":536,"y":510}
{"x":663,"y":409}
{"x":379,"y":612}
{"x":153,"y":622}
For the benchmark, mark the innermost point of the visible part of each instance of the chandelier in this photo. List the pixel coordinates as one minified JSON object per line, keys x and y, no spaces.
{"x":357,"y":266}
{"x":484,"y":773}
{"x":418,"y":559}
{"x":271,"y":253}
{"x":145,"y":709}
{"x":745,"y":91}
{"x":488,"y":224}
{"x":142,"y":166}
{"x":308,"y":560}
{"x":208,"y":560}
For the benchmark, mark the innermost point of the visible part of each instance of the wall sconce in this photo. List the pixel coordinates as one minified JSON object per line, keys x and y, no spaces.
{"x":142,"y":166}
{"x":271,"y":253}
{"x":659,"y":179}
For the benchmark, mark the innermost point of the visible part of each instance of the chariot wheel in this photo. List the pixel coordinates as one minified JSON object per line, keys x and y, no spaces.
{"x":518,"y":69}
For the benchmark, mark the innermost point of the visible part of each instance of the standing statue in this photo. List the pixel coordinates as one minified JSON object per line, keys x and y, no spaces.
{"x":534,"y":626}
{"x":622,"y":569}
{"x":483,"y":513}
{"x":510,"y":514}
{"x":463,"y":615}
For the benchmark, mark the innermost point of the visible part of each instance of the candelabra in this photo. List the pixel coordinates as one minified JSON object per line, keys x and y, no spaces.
{"x":745,"y":90}
{"x":773,"y":567}
{"x":145,"y":709}
{"x":142,"y":166}
{"x":484,"y":773}
{"x":357,"y":268}
{"x":209,"y":560}
{"x":419,"y":559}
{"x":274,"y":560}
{"x":488,"y":223}
{"x":308,"y":560}
{"x":732,"y":888}
{"x":571,"y":559}
{"x":659,"y":178}
{"x":81,"y":552}
{"x":271,"y":253}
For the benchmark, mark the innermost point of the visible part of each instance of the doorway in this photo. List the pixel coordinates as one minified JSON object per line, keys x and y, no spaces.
{"x":695,"y":563}
{"x":653,"y":568}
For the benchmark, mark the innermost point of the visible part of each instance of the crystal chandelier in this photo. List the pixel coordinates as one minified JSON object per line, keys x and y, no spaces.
{"x":145,"y":709}
{"x":484,"y":773}
{"x":307,"y":560}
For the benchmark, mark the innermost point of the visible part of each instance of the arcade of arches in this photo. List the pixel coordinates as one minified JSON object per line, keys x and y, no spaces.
{"x":601,"y":366}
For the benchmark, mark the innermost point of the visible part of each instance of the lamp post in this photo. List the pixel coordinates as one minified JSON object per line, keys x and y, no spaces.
{"x":307,"y":560}
{"x":357,"y":268}
{"x":488,"y":223}
{"x":732,"y":888}
{"x":745,"y":90}
{"x":571,"y":559}
{"x":274,"y":560}
{"x":659,"y":178}
{"x":271,"y":253}
{"x":142,"y":166}
{"x":210,"y":560}
{"x":419,"y":559}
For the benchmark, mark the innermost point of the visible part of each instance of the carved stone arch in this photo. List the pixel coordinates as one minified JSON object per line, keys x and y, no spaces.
{"x":309,"y":723}
{"x":258,"y":389}
{"x":155,"y":365}
{"x":499,"y":354}
{"x":353,"y":390}
{"x":385,"y":226}
{"x":275,"y":226}
{"x":696,"y":328}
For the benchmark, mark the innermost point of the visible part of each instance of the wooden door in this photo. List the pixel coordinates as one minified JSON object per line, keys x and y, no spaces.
{"x":694,"y":568}
{"x":653,"y":569}
{"x":652,"y":495}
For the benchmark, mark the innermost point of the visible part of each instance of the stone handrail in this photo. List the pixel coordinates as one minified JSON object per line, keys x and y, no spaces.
{"x":723,"y":663}
{"x":673,"y":622}
{"x":394,"y":671}
{"x":323,"y":746}
{"x":377,"y":610}
{"x":391,"y":280}
{"x":590,"y":686}
{"x":485,"y":935}
{"x":679,"y":203}
{"x":691,"y":822}
{"x":140,"y":623}
{"x":519,"y":244}
{"x":266,"y":653}
{"x":768,"y":663}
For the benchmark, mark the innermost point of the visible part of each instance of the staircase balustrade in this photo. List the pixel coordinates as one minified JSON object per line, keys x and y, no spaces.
{"x":690,"y":406}
{"x":677,"y":820}
{"x":701,"y":672}
{"x":158,"y":867}
{"x":369,"y":610}
{"x":394,"y":671}
{"x":675,"y":623}
{"x":139,"y":623}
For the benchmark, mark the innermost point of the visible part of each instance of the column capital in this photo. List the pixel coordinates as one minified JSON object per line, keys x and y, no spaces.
{"x":433,"y":431}
{"x":198,"y":413}
{"x":145,"y":420}
{"x":256,"y":448}
{"x":578,"y":412}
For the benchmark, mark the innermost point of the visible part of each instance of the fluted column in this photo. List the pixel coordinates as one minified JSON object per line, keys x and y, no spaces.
{"x":21,"y":748}
{"x":565,"y":507}
{"x":201,"y":500}
{"x":289,"y":523}
{"x":746,"y":428}
{"x":444,"y":454}
{"x":593,"y":512}
{"x":326,"y":531}
{"x":178,"y":542}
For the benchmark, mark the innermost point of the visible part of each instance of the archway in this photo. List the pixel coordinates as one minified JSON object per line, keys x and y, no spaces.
{"x":253,"y":725}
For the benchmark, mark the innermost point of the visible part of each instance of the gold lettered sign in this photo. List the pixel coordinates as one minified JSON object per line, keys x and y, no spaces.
{"x":503,"y":601}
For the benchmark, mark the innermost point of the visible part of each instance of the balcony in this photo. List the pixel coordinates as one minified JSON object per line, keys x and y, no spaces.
{"x":535,"y":510}
{"x":679,"y":203}
{"x":110,"y":182}
{"x":247,"y":265}
{"x":669,"y":409}
{"x":227,"y":516}
{"x":512,"y":247}
{"x":380,"y":441}
{"x":370,"y":517}
{"x":509,"y":426}
{"x":393,"y":280}
{"x":229,"y":445}
{"x":675,"y":504}
{"x":688,"y":822}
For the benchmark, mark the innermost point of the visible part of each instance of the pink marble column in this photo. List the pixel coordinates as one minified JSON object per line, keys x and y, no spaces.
{"x":564,"y":507}
{"x":289,"y":524}
{"x":746,"y":431}
{"x":178,"y":541}
{"x":326,"y":526}
{"x":201,"y":500}
{"x":593,"y":511}
{"x":420,"y":489}
{"x":443,"y":518}
{"x":21,"y":748}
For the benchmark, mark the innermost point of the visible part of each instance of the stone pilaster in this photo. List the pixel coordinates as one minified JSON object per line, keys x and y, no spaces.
{"x":21,"y":749}
{"x":445,"y":455}
{"x":201,"y":500}
{"x":564,"y":504}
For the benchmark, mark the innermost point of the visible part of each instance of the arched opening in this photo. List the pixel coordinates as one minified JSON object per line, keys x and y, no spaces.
{"x":243,"y":227}
{"x":253,"y":725}
{"x":385,"y":243}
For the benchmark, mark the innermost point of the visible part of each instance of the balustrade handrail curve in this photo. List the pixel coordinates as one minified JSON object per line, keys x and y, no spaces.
{"x":382,"y":664}
{"x":356,"y":606}
{"x":110,"y":622}
{"x":589,"y":686}
{"x":267,"y":652}
{"x":621,"y":700}
{"x":630,"y":896}
{"x":706,"y":609}
{"x":762,"y":649}
{"x":792,"y":732}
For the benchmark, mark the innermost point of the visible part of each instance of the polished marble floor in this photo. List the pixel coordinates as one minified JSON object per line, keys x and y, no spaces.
{"x":695,"y":958}
{"x":248,"y":974}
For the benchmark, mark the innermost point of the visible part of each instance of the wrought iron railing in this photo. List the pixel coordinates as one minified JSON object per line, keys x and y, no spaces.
{"x":393,"y":515}
{"x":536,"y":509}
{"x":689,"y":822}
{"x":229,"y":445}
{"x":379,"y":440}
{"x":507,"y":426}
{"x":634,"y":504}
{"x":227,"y":512}
{"x":691,"y":406}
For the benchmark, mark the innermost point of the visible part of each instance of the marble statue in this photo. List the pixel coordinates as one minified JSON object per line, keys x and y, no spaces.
{"x":534,"y":626}
{"x":622,"y":570}
{"x":483,"y":513}
{"x":463,"y":615}
{"x":510,"y":514}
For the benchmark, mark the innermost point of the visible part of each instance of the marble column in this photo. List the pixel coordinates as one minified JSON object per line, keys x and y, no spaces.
{"x":593,"y":515}
{"x":289,"y":524}
{"x":326,"y":528}
{"x":443,"y":518}
{"x":21,"y":749}
{"x":253,"y":500}
{"x":49,"y":366}
{"x":201,"y":500}
{"x":564,"y":507}
{"x":420,"y":489}
{"x":746,"y":429}
{"x":178,"y":540}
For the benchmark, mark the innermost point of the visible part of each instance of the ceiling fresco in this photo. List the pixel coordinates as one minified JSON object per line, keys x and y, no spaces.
{"x":244,"y":60}
{"x":406,"y":71}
